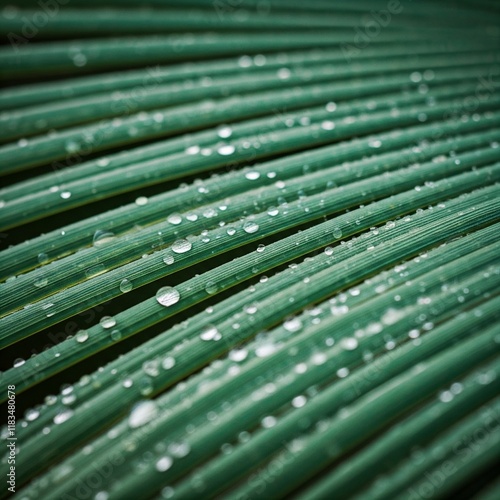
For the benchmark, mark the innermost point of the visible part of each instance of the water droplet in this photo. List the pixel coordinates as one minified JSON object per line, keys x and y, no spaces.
{"x":299,"y":401}
{"x":210,"y":332}
{"x":224,"y":132}
{"x":81,"y":336}
{"x":102,"y":162}
{"x":268,"y":422}
{"x":192,"y":150}
{"x":181,"y":246}
{"x":42,"y":258}
{"x":238,"y":355}
{"x":261,"y":248}
{"x":19,"y":362}
{"x":250,"y":227}
{"x":167,"y":296}
{"x":252,"y":175}
{"x":211,"y":287}
{"x":168,"y":363}
{"x":329,"y":251}
{"x":272,"y":211}
{"x":102,"y":238}
{"x":108,"y":322}
{"x":327,"y":125}
{"x":337,"y":233}
{"x":65,"y":195}
{"x":62,"y":416}
{"x":284,"y":73}
{"x":230,"y":231}
{"x":292,"y":325}
{"x":415,"y":77}
{"x":169,"y":260}
{"x":174,"y":219}
{"x":349,"y":343}
{"x":390,"y":224}
{"x":265,"y":350}
{"x":32,"y":414}
{"x":41,"y":281}
{"x":141,"y":201}
{"x":142,"y":413}
{"x":375,"y":143}
{"x":164,"y":463}
{"x":115,"y":335}
{"x":227,"y":149}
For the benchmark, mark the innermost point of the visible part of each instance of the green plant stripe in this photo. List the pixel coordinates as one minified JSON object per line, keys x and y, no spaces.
{"x":134,"y":246}
{"x":106,"y":53}
{"x":369,"y":415}
{"x":52,"y":245}
{"x":149,"y":312}
{"x":43,"y":196}
{"x":231,"y":386}
{"x":131,"y":22}
{"x":182,"y":118}
{"x":206,"y":443}
{"x":389,"y":448}
{"x":154,"y":350}
{"x":457,"y":448}
{"x":228,"y":383}
{"x":43,"y":93}
{"x":417,"y":430}
{"x":465,"y":471}
{"x":30,"y":121}
{"x":281,"y":120}
{"x":108,"y":285}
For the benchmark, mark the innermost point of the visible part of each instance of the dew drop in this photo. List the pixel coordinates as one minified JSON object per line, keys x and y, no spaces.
{"x":252,"y":175}
{"x":142,"y":413}
{"x":226,"y":150}
{"x":181,"y":246}
{"x":337,"y":233}
{"x":272,"y":211}
{"x":375,"y":143}
{"x":164,"y":463}
{"x":42,"y":258}
{"x":211,"y":287}
{"x":169,"y":260}
{"x":81,"y":336}
{"x":268,"y":422}
{"x":141,"y":201}
{"x":19,"y":362}
{"x":102,"y":238}
{"x":210,"y":332}
{"x":327,"y":125}
{"x":299,"y":401}
{"x":167,"y":296}
{"x":349,"y":343}
{"x":250,"y":227}
{"x":224,"y":132}
{"x":41,"y":282}
{"x":62,"y":416}
{"x":115,"y":335}
{"x":65,"y":195}
{"x":174,"y":219}
{"x":125,"y":285}
{"x":192,"y":150}
{"x":292,"y":325}
{"x":108,"y":322}
{"x":168,"y":363}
